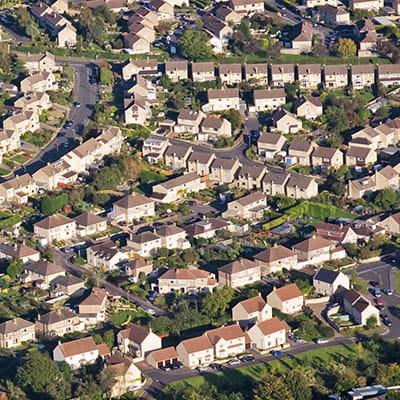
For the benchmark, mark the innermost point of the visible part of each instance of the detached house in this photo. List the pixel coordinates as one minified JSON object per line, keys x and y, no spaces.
{"x":275,"y":258}
{"x":334,"y":15}
{"x":268,"y":99}
{"x":359,"y":308}
{"x":363,"y":187}
{"x":189,"y":121}
{"x":326,"y":281}
{"x":302,"y":38}
{"x":133,"y":206}
{"x":327,"y":157}
{"x":230,"y":74}
{"x":251,"y":311}
{"x":105,"y":255}
{"x":55,"y":227}
{"x":145,"y":244}
{"x":223,"y":99}
{"x":66,"y":285}
{"x":239,"y":273}
{"x":300,"y":152}
{"x":281,"y":74}
{"x":195,"y":352}
{"x":203,"y":72}
{"x":136,"y":44}
{"x":336,"y":76}
{"x":90,"y":224}
{"x":135,"y":267}
{"x":269,"y":144}
{"x":308,"y":107}
{"x":207,"y":228}
{"x":153,"y":148}
{"x":219,"y":30}
{"x":16,"y":331}
{"x":249,"y":207}
{"x":286,"y":122}
{"x":176,"y":156}
{"x":177,"y":70}
{"x":275,"y":182}
{"x":369,"y":5}
{"x":309,"y":76}
{"x":269,"y":334}
{"x":92,"y":309}
{"x":213,"y":127}
{"x":228,"y":15}
{"x":360,"y":156}
{"x":144,"y":67}
{"x":42,"y":273}
{"x":20,"y":252}
{"x":223,"y":170}
{"x":287,"y":299}
{"x":247,"y":7}
{"x":228,"y":341}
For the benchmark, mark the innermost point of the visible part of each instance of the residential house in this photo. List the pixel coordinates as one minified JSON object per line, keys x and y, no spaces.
{"x":163,"y":358}
{"x":391,"y":224}
{"x":200,"y":162}
{"x":388,"y":74}
{"x":309,"y":76}
{"x":287,"y":299}
{"x":230,"y":74}
{"x":269,"y":144}
{"x":135,"y":267}
{"x":239,"y":273}
{"x":319,"y":3}
{"x":247,"y":7}
{"x":269,"y":99}
{"x":274,"y":182}
{"x":308,"y":107}
{"x":256,"y":73}
{"x":363,"y":187}
{"x":228,"y":341}
{"x":55,"y":174}
{"x":142,"y":87}
{"x":327,"y":157}
{"x":36,"y":102}
{"x":90,"y":224}
{"x":173,"y":237}
{"x":133,"y":206}
{"x":145,"y":14}
{"x":38,"y":82}
{"x":275,"y":258}
{"x":207,"y":228}
{"x":143,"y":29}
{"x":195,"y":352}
{"x":137,"y":341}
{"x":186,"y":281}
{"x":105,"y":255}
{"x":92,"y":309}
{"x":250,"y":176}
{"x":317,"y":250}
{"x":222,"y":99}
{"x":281,"y":74}
{"x":176,"y":156}
{"x":135,"y":110}
{"x":16,"y":331}
{"x":220,"y":31}
{"x":173,"y":189}
{"x":269,"y":334}
{"x":369,"y":5}
{"x":326,"y":281}
{"x":339,"y":233}
{"x":55,"y":227}
{"x":387,"y":178}
{"x":251,"y":311}
{"x":336,"y":76}
{"x":80,"y":352}
{"x":285,"y":122}
{"x":359,"y":308}
{"x":154,"y":147}
{"x":18,"y":251}
{"x":213,"y":128}
{"x":357,"y":156}
{"x":164,"y":10}
{"x":301,"y":187}
{"x":135,"y":43}
{"x":146,"y":67}
{"x":228,"y":15}
{"x":333,"y":15}
{"x":59,"y":322}
{"x":42,"y":273}
{"x":203,"y":72}
{"x":248,"y":207}
{"x":145,"y":244}
{"x":224,"y":170}
{"x":177,"y":70}
{"x":302,"y":38}
{"x":300,"y":152}
{"x":66,"y":285}
{"x":41,"y":62}
{"x":19,"y":123}
{"x":189,"y":121}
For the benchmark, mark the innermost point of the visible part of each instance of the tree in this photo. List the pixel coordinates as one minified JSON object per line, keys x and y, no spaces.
{"x":184,"y":209}
{"x":272,"y":388}
{"x":106,"y":76}
{"x":299,"y":385}
{"x":109,"y":338}
{"x":387,"y":199}
{"x":162,"y":325}
{"x":371,"y":322}
{"x":234,"y":117}
{"x":48,"y":254}
{"x":292,"y":90}
{"x":51,"y":204}
{"x":346,"y":48}
{"x":216,"y":303}
{"x":195,"y":45}
{"x":15,"y":268}
{"x":337,"y":119}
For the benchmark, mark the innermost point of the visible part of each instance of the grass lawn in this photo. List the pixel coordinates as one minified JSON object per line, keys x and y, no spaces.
{"x":139,"y":317}
{"x":20,"y":159}
{"x":4,"y":171}
{"x":397,"y":280}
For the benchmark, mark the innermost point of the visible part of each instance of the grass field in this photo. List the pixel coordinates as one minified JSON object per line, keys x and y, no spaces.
{"x":241,"y":379}
{"x":397,"y":280}
{"x":4,"y":171}
{"x":20,"y":159}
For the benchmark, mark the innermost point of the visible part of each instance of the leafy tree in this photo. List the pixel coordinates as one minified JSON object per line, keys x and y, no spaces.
{"x":14,"y":392}
{"x":109,"y":338}
{"x":388,"y":374}
{"x":299,"y":385}
{"x":234,"y":117}
{"x":195,"y":45}
{"x":336,"y":118}
{"x":339,"y":188}
{"x":346,"y":48}
{"x":387,"y":199}
{"x":358,"y":283}
{"x":15,"y":268}
{"x":184,"y":209}
{"x":48,"y":254}
{"x":51,"y":204}
{"x":292,"y":90}
{"x":190,"y":256}
{"x":162,"y":325}
{"x":371,"y":322}
{"x":272,"y":388}
{"x":216,"y":304}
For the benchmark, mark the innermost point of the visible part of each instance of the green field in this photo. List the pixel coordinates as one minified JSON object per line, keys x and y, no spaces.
{"x":4,"y":171}
{"x":20,"y":159}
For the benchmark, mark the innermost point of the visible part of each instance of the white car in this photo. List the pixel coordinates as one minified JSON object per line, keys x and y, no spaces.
{"x":150,"y":311}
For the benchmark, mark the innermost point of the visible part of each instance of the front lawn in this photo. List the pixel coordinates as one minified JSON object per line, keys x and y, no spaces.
{"x":4,"y":171}
{"x":20,"y":159}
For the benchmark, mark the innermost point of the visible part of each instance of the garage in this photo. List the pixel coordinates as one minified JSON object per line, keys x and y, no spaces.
{"x":163,"y":357}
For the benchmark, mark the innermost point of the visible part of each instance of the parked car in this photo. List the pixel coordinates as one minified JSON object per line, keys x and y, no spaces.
{"x":321,"y":340}
{"x":77,"y":104}
{"x":247,"y":359}
{"x":377,"y":292}
{"x":379,"y":302}
{"x":165,"y":368}
{"x":177,"y":365}
{"x":386,"y":320}
{"x":202,"y":369}
{"x":388,"y":292}
{"x":234,"y":361}
{"x":217,"y":367}
{"x":374,"y":283}
{"x":296,"y":339}
{"x":276,"y":353}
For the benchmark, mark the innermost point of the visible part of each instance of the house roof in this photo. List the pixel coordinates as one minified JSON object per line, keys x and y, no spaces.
{"x":201,"y":157}
{"x":78,"y":346}
{"x":359,"y":152}
{"x":307,"y":69}
{"x":67,"y":280}
{"x":324,"y":152}
{"x":238,"y":266}
{"x":87,"y":219}
{"x":282,"y":68}
{"x":256,"y":69}
{"x":251,"y":198}
{"x":119,"y":364}
{"x":186,"y":274}
{"x":302,"y":32}
{"x":316,"y":101}
{"x":299,"y":181}
{"x":167,"y":353}
{"x":203,"y":67}
{"x":269,"y":138}
{"x":230,"y":69}
{"x":135,"y":333}
{"x":178,"y":181}
{"x":352,"y":295}
{"x":95,"y":298}
{"x":288,"y":292}
{"x":272,"y":325}
{"x":300,"y":145}
{"x":44,"y":268}
{"x":237,"y":3}
{"x":133,"y":200}
{"x":335,"y":69}
{"x":326,"y":275}
{"x":208,"y":225}
{"x":176,"y":65}
{"x":333,"y":10}
{"x":14,"y":325}
{"x":177,"y":150}
{"x":277,"y":178}
{"x":254,"y":304}
{"x":229,"y":332}
{"x":189,"y":115}
{"x":19,"y":250}
{"x":253,"y":171}
{"x":213,"y":24}
{"x":222,"y":93}
{"x":274,"y":253}
{"x":169,"y":230}
{"x":363,"y":69}
{"x":144,"y":237}
{"x":313,"y":243}
{"x":197,"y":344}
{"x":224,"y":163}
{"x":212,"y":122}
{"x":53,"y":221}
{"x":52,"y":317}
{"x":261,"y":94}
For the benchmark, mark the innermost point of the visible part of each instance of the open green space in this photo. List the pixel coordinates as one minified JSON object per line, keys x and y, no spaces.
{"x":4,"y":171}
{"x":20,"y":159}
{"x":397,"y":280}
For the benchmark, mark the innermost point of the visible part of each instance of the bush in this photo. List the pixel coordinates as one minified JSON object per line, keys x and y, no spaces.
{"x":326,"y":331}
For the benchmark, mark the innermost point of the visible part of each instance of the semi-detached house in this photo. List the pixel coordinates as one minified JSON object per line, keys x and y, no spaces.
{"x":287,"y":299}
{"x":223,"y":99}
{"x":275,"y":258}
{"x":269,"y":334}
{"x":133,"y":206}
{"x":251,"y":311}
{"x":16,"y":331}
{"x":228,"y":341}
{"x":195,"y":352}
{"x":55,"y":227}
{"x":239,"y":273}
{"x":269,"y":99}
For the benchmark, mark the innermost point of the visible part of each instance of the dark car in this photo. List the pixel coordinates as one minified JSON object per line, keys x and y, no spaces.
{"x":276,"y":353}
{"x":61,"y":134}
{"x":247,"y":359}
{"x":177,"y":365}
{"x":386,"y":320}
{"x":158,"y":224}
{"x":374,"y":283}
{"x":77,"y":104}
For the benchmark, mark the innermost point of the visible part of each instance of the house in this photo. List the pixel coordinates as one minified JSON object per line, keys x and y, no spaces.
{"x":89,"y":224}
{"x":177,"y":70}
{"x":387,"y":178}
{"x":125,"y":375}
{"x":137,"y":341}
{"x":135,"y":110}
{"x":19,"y":251}
{"x":188,"y":121}
{"x":214,"y":127}
{"x":333,"y":15}
{"x":92,"y":309}
{"x":319,"y":3}
{"x":256,"y":73}
{"x":363,"y":187}
{"x":247,"y":7}
{"x":137,"y":266}
{"x":281,"y":74}
{"x":336,"y":76}
{"x":80,"y":352}
{"x":142,"y":87}
{"x":339,"y":233}
{"x":317,"y":250}
{"x":66,"y":285}
{"x":248,"y":207}
{"x":269,"y":334}
{"x":133,"y":206}
{"x":300,"y":152}
{"x":38,"y":82}
{"x":34,"y":101}
{"x":239,"y":273}
{"x":360,"y":156}
{"x":59,"y":322}
{"x":203,"y":71}
{"x":269,"y":144}
{"x":105,"y":255}
{"x":145,"y":67}
{"x":309,"y":76}
{"x":327,"y":157}
{"x":55,"y":227}
{"x":287,"y":299}
{"x":302,"y":38}
{"x":223,"y":170}
{"x":275,"y":258}
{"x":195,"y":352}
{"x":145,"y":14}
{"x":41,"y":62}
{"x":250,"y":176}
{"x":308,"y":107}
{"x":228,"y":341}
{"x":42,"y":273}
{"x":251,"y":311}
{"x":145,"y":244}
{"x":391,"y":224}
{"x":154,"y":147}
{"x":301,"y":187}
{"x":66,"y":36}
{"x":19,"y":122}
{"x":228,"y":15}
{"x":221,"y":31}
{"x":230,"y":74}
{"x":207,"y":228}
{"x":173,"y":189}
{"x":389,"y":74}
{"x":136,"y":44}
{"x":173,"y":237}
{"x":369,"y":5}
{"x":359,"y":308}
{"x":285,"y":122}
{"x":274,"y":182}
{"x":269,"y":99}
{"x":176,"y":156}
{"x":16,"y":331}
{"x":143,"y":29}
{"x":164,"y":10}
{"x":186,"y":281}
{"x":200,"y":162}
{"x":163,"y":358}
{"x":326,"y":281}
{"x":223,"y":99}
{"x":52,"y":175}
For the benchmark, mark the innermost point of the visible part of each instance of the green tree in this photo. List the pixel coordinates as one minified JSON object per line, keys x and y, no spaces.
{"x":299,"y":384}
{"x":15,"y":268}
{"x":48,"y":254}
{"x":215,"y":304}
{"x":272,"y":388}
{"x":291,"y":90}
{"x":371,"y":322}
{"x":184,"y":209}
{"x":162,"y":325}
{"x":234,"y":117}
{"x":51,"y":204}
{"x":387,"y":199}
{"x":109,"y":338}
{"x":336,"y":119}
{"x":346,"y":48}
{"x":195,"y":45}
